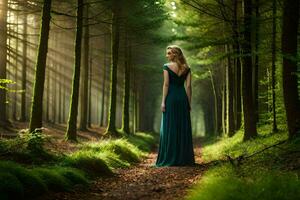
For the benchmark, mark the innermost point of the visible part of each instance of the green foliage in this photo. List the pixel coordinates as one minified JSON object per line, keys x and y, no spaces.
{"x":264,"y":175}
{"x":126,"y":150}
{"x":143,"y":141}
{"x":35,"y":141}
{"x":120,"y":147}
{"x":89,"y":162}
{"x":267,"y":185}
{"x":3,"y":83}
{"x":113,"y":160}
{"x":96,"y":159}
{"x":10,"y":187}
{"x":26,"y":148}
{"x":234,"y":146}
{"x":53,"y":179}
{"x":75,"y":176}
{"x":33,"y":185}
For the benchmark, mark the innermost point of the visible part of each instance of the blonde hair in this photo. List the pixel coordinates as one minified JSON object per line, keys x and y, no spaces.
{"x":179,"y":57}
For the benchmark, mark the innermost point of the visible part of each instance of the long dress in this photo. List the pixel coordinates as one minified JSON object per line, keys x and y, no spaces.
{"x":175,"y":144}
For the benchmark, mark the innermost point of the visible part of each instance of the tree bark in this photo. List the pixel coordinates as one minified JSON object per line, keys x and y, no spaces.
{"x":3,"y":60}
{"x":248,"y":103}
{"x":38,"y":88}
{"x":274,"y":13}
{"x":111,"y":129}
{"x":237,"y":68}
{"x":71,"y":133}
{"x":85,"y":76}
{"x":289,"y":68}
{"x":103,"y":88}
{"x":24,"y":71}
{"x":125,"y":116}
{"x":256,"y":60}
{"x":230,"y":96}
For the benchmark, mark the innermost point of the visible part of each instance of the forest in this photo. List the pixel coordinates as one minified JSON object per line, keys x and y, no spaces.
{"x":81,"y":83}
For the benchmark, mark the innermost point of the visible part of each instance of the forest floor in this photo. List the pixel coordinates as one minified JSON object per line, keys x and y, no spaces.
{"x":139,"y":181}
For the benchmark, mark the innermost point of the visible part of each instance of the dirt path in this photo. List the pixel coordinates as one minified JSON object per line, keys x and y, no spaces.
{"x":141,"y":181}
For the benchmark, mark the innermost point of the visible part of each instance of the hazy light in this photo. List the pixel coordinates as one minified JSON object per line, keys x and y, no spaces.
{"x":174,"y":7}
{"x":157,"y":2}
{"x":32,"y":3}
{"x":173,"y":3}
{"x":173,"y":14}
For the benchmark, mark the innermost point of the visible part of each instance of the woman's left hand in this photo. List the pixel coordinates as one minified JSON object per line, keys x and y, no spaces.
{"x":163,"y":107}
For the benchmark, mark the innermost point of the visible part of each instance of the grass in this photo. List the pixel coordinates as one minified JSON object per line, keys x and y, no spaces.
{"x":267,"y":185}
{"x":21,"y":178}
{"x":266,"y":175}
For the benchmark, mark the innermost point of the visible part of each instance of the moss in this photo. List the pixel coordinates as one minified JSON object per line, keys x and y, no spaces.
{"x":33,"y":185}
{"x":10,"y":187}
{"x":53,"y":179}
{"x":89,"y":163}
{"x":75,"y":176}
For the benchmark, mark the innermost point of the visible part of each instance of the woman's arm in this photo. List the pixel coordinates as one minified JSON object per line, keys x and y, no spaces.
{"x":189,"y":87}
{"x":165,"y":90}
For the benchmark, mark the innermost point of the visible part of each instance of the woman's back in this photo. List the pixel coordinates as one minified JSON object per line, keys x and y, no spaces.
{"x":176,"y":147}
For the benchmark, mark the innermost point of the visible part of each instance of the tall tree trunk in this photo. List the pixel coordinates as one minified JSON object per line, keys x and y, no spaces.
{"x":60,"y":95}
{"x":103,"y":88}
{"x":15,"y":102}
{"x":289,"y":70}
{"x":230,"y":95}
{"x":125,"y":116}
{"x":224,"y":102}
{"x":89,"y":121}
{"x":85,"y":75}
{"x":111,"y":129}
{"x":64,"y":96}
{"x":256,"y":60}
{"x":215,"y":116}
{"x":274,"y":65}
{"x":38,"y":88}
{"x":248,"y":103}
{"x":3,"y":60}
{"x":48,"y":94}
{"x":24,"y":74}
{"x":54,"y":92}
{"x":71,"y":133}
{"x":237,"y":65}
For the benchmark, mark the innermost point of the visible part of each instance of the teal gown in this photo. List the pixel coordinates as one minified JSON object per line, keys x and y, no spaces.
{"x":175,"y":144}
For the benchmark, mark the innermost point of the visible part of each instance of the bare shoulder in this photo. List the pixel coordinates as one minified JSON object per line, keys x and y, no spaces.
{"x":172,"y":64}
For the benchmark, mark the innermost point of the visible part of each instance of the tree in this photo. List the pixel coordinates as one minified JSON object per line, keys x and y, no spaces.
{"x":85,"y":75}
{"x":38,"y":88}
{"x":248,"y":100}
{"x":126,"y":95}
{"x":115,"y":37}
{"x":71,"y":133}
{"x":274,"y":15}
{"x":24,"y":74}
{"x":3,"y":59}
{"x":289,"y":68}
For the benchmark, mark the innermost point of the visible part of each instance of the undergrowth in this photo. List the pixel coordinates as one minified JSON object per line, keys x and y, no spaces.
{"x":27,"y":170}
{"x":261,"y":168}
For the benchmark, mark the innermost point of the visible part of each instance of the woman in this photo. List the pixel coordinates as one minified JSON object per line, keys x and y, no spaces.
{"x":176,"y":145}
